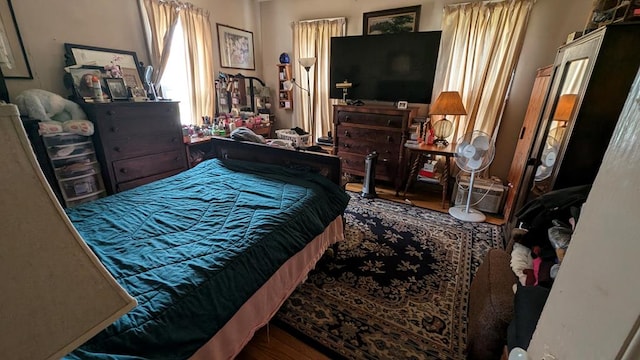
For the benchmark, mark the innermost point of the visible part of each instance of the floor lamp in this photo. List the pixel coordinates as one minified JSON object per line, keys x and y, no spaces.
{"x":307,"y":63}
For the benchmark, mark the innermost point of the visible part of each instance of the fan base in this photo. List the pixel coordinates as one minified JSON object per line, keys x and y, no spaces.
{"x":460,"y":213}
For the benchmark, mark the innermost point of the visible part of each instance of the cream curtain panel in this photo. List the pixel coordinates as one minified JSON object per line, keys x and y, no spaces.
{"x":480,"y":46}
{"x":312,"y":38}
{"x":161,"y":19}
{"x":197,"y":30}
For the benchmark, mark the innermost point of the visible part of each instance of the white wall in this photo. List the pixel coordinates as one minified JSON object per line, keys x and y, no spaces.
{"x":594,"y":305}
{"x":46,"y":25}
{"x":550,"y":23}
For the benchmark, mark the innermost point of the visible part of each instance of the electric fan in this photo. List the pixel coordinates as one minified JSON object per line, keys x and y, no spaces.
{"x":547,"y":160}
{"x":474,"y":153}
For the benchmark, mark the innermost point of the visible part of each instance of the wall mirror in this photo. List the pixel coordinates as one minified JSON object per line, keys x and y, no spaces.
{"x":559,"y":123}
{"x":244,"y":93}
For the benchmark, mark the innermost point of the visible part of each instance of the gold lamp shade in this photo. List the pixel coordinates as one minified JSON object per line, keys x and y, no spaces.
{"x":447,"y":103}
{"x":565,"y":106}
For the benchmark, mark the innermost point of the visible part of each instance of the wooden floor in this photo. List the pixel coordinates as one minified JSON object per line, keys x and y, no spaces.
{"x":273,"y":343}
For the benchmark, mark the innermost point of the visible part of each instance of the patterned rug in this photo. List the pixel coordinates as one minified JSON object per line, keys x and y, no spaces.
{"x":397,"y":288}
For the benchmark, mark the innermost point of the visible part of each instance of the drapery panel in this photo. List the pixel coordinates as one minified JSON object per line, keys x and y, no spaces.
{"x":480,"y":47}
{"x":312,"y":38}
{"x":162,"y":17}
{"x":197,"y":30}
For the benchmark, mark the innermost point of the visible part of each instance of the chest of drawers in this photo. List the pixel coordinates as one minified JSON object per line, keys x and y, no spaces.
{"x":360,"y":130}
{"x":137,"y":143}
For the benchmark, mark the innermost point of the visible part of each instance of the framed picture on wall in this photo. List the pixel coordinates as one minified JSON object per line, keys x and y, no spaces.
{"x":391,"y":21}
{"x":235,"y":47}
{"x":13,"y":58}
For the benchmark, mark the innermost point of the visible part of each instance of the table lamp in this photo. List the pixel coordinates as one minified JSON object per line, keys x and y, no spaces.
{"x":447,"y":103}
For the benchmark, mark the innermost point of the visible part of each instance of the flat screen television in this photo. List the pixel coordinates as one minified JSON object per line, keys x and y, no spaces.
{"x":389,"y":67}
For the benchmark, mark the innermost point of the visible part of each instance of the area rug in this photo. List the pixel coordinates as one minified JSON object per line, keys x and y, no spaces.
{"x":397,"y":288}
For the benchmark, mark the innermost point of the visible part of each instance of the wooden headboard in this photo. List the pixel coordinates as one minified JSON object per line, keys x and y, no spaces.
{"x":324,"y":164}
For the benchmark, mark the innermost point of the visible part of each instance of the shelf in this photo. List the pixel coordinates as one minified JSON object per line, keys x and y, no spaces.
{"x":285,"y":97}
{"x":71,"y":156}
{"x":85,"y":196}
{"x":67,"y":145}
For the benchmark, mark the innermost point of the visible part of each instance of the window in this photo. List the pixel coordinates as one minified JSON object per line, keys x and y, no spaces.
{"x":175,"y":80}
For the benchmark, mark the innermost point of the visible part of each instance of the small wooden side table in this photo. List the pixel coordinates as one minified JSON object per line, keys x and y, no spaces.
{"x":419,"y":154}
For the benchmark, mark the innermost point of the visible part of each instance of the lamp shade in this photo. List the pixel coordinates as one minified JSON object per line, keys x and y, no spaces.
{"x":56,"y":294}
{"x":448,"y":103}
{"x":307,"y":62}
{"x":565,"y":107}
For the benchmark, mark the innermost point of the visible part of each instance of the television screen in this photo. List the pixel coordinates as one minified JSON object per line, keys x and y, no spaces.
{"x":390,"y":67}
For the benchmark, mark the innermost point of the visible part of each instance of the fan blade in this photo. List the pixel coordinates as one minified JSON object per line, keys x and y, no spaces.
{"x":474,"y":164}
{"x":481,"y":142}
{"x":460,"y":148}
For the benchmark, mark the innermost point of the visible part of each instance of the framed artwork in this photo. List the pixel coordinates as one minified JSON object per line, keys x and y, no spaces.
{"x":13,"y":58}
{"x":126,"y":61}
{"x":235,"y":47}
{"x":117,"y":89}
{"x":392,"y":21}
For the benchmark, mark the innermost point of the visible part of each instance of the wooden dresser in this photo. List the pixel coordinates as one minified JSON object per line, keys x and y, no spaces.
{"x":137,"y":143}
{"x":360,"y":130}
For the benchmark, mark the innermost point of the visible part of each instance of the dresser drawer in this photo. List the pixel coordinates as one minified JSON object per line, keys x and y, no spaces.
{"x":147,"y":144}
{"x":125,"y":120}
{"x":386,"y":168}
{"x":145,"y":180}
{"x":363,"y":141}
{"x":143,"y":166}
{"x":371,"y":119}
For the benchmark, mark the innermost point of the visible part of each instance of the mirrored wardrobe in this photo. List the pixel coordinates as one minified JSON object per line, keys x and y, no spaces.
{"x":591,"y":78}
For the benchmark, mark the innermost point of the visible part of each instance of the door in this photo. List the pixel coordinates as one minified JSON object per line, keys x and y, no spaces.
{"x":527,"y":135}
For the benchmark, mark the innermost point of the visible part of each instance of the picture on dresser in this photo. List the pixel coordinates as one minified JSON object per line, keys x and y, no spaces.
{"x":117,"y":89}
{"x":83,"y":81}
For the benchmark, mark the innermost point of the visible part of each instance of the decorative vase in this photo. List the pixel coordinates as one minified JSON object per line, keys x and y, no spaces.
{"x":284,"y":58}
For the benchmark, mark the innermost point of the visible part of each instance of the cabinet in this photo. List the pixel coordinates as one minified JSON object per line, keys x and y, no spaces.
{"x":74,"y":163}
{"x":360,"y":130}
{"x":590,"y":81}
{"x":137,"y":143}
{"x":285,"y":97}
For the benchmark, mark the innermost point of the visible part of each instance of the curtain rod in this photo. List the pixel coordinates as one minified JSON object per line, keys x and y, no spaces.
{"x":329,"y":19}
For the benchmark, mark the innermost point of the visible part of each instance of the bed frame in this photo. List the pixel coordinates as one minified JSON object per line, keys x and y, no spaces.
{"x":263,"y":305}
{"x":324,"y":164}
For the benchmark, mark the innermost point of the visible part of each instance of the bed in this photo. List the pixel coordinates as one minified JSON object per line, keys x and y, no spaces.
{"x":210,"y":254}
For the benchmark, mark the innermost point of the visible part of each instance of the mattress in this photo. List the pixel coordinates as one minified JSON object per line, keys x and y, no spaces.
{"x":194,"y":247}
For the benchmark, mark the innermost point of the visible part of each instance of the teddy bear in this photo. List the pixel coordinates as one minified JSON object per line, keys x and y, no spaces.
{"x":46,"y":106}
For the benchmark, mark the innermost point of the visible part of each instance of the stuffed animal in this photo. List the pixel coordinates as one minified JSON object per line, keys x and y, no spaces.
{"x":46,"y":106}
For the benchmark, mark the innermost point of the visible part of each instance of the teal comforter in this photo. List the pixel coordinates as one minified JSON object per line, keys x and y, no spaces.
{"x":194,"y":247}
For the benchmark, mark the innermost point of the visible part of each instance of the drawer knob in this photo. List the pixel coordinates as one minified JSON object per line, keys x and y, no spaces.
{"x":116,"y":148}
{"x":389,"y":138}
{"x":347,"y":134}
{"x":176,"y":159}
{"x":346,"y":145}
{"x":114,"y":129}
{"x":111,"y":112}
{"x":389,"y":122}
{"x":346,"y":118}
{"x":123,"y":170}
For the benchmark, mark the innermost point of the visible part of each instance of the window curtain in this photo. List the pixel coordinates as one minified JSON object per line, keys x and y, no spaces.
{"x":197,"y":30}
{"x":480,"y":46}
{"x":161,"y":19}
{"x":312,"y":38}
